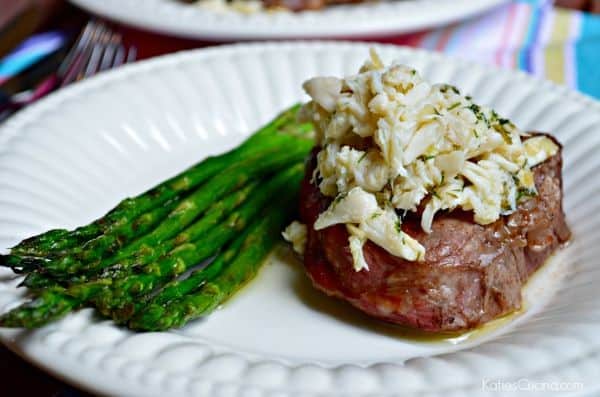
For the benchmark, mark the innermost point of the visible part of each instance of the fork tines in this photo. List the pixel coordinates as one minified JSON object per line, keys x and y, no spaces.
{"x":97,"y":48}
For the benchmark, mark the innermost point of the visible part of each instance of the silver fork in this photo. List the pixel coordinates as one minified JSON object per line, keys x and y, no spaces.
{"x":98,"y":48}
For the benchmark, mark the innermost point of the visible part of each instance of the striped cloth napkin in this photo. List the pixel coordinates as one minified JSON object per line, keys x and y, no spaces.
{"x":532,"y":35}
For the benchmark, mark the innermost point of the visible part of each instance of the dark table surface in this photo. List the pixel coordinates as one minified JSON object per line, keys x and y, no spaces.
{"x":20,"y":378}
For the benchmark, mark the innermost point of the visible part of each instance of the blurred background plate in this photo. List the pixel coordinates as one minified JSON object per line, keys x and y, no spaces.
{"x":352,"y":20}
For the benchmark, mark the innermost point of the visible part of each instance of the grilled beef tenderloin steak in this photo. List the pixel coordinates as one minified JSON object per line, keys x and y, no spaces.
{"x":471,"y":273}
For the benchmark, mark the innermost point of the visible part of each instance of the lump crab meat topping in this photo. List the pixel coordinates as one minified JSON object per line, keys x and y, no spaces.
{"x":391,"y":142}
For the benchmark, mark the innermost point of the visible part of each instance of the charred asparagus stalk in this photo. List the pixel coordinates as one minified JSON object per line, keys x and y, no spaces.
{"x":129,"y":209}
{"x":138,"y":254}
{"x":117,"y":297}
{"x":119,"y":301}
{"x":164,"y":312}
{"x":188,"y":209}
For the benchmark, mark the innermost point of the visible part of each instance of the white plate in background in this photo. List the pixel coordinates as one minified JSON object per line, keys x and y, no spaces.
{"x":352,"y":20}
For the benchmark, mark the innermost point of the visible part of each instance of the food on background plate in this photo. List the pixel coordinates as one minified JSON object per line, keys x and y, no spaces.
{"x":420,"y":207}
{"x":252,"y":6}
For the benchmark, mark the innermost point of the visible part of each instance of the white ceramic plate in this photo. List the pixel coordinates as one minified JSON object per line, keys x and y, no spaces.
{"x":74,"y":155}
{"x":358,"y":20}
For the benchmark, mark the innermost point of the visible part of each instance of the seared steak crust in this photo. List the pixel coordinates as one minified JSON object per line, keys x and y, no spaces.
{"x":471,"y":273}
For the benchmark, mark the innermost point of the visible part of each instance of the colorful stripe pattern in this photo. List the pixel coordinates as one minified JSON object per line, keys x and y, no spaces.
{"x":531,"y":35}
{"x":29,"y":52}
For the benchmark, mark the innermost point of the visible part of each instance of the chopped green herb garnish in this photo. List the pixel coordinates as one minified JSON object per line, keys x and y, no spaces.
{"x":475,"y":109}
{"x":398,"y":227}
{"x":447,"y":87}
{"x":339,"y":198}
{"x":362,"y":157}
{"x":454,"y":106}
{"x":494,"y":116}
{"x":525,"y":192}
